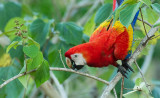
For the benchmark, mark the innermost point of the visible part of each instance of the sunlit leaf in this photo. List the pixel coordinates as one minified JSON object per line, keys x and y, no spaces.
{"x":35,"y":62}
{"x":5,"y":60}
{"x":138,"y":81}
{"x":89,"y":26}
{"x":147,"y":2}
{"x":156,"y":7}
{"x":128,"y":13}
{"x":11,"y":45}
{"x":10,"y":27}
{"x":7,"y":11}
{"x":129,"y":2}
{"x":31,"y":50}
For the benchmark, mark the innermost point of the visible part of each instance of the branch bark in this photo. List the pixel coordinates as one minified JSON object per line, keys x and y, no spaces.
{"x":140,"y":47}
{"x":56,"y":69}
{"x":90,"y":11}
{"x":49,"y":90}
{"x":58,"y":85}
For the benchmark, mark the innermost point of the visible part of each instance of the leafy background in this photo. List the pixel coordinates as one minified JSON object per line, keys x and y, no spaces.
{"x":53,"y":25}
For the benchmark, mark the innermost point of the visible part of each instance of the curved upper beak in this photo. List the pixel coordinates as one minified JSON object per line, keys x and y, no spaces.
{"x":68,"y":62}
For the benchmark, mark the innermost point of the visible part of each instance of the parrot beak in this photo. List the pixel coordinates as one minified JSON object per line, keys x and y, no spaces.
{"x":71,"y":64}
{"x":68,"y":62}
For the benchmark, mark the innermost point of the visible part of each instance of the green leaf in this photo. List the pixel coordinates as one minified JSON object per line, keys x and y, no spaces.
{"x":55,"y":61}
{"x":156,"y":7}
{"x":70,"y":32}
{"x":11,"y":45}
{"x":147,"y":2}
{"x":32,"y":42}
{"x":35,"y":62}
{"x":89,"y":26}
{"x":103,"y":13}
{"x":9,"y":28}
{"x":8,"y":11}
{"x":1,"y":51}
{"x":157,"y":24}
{"x":151,"y":18}
{"x":128,"y":13}
{"x":132,"y":94}
{"x":42,"y":73}
{"x":31,"y":50}
{"x":138,"y":81}
{"x":39,"y":30}
{"x":129,"y":2}
{"x":23,"y":80}
{"x":14,"y":88}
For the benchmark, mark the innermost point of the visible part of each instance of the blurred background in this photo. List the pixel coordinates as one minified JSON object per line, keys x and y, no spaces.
{"x":61,"y":24}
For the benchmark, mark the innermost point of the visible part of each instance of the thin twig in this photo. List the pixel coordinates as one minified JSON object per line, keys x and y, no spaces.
{"x":61,"y":58}
{"x":115,"y":94}
{"x":58,"y":85}
{"x":155,"y":37}
{"x":147,"y":85}
{"x":83,"y":3}
{"x":138,"y":89}
{"x":146,"y":62}
{"x":143,"y":22}
{"x":122,"y":85}
{"x":70,"y":7}
{"x":15,"y":77}
{"x":89,"y":12}
{"x":56,"y":69}
{"x":128,"y":88}
{"x":138,"y":50}
{"x":80,"y":73}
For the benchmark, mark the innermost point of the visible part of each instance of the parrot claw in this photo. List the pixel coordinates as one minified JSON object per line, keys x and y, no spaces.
{"x":126,"y":66}
{"x":122,"y":70}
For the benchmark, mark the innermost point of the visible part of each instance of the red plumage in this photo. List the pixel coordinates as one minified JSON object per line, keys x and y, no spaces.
{"x":105,"y":46}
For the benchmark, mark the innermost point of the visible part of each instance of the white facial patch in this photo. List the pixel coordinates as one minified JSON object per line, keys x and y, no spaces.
{"x":78,"y":59}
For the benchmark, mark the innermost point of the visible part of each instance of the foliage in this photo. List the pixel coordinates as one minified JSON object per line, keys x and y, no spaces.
{"x":37,"y":34}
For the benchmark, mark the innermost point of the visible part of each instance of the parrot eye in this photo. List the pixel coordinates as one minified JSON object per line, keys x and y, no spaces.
{"x":75,"y":55}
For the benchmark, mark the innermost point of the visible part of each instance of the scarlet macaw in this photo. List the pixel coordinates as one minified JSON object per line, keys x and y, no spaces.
{"x":107,"y":44}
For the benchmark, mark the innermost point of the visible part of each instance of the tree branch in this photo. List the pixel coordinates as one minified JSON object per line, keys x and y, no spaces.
{"x":146,"y":62}
{"x":58,"y":85}
{"x":49,"y":90}
{"x":80,"y":73}
{"x":90,"y":11}
{"x":147,"y":85}
{"x":141,"y":46}
{"x":145,"y":22}
{"x":115,"y":94}
{"x":56,"y":69}
{"x":15,"y":77}
{"x":122,"y":85}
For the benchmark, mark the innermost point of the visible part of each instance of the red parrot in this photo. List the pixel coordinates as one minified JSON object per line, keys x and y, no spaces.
{"x":107,"y":44}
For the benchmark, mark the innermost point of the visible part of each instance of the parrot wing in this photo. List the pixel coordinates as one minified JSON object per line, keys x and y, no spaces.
{"x":102,"y":28}
{"x":123,"y":41}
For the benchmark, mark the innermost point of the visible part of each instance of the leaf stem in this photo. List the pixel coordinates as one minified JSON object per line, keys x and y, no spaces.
{"x":143,"y":22}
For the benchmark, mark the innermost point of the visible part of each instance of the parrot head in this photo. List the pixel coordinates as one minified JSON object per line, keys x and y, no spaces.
{"x":75,"y":58}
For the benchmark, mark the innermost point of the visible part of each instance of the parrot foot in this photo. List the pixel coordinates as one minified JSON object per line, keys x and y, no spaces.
{"x":126,"y":66}
{"x":122,"y":70}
